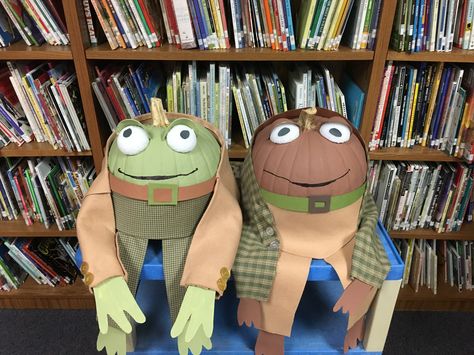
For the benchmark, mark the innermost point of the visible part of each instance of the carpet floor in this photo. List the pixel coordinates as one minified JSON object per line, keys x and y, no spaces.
{"x":71,"y":332}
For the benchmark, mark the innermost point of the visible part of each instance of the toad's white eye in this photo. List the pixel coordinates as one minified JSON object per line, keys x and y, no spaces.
{"x":132,"y":140}
{"x":335,"y":132}
{"x":285,"y":133}
{"x":181,"y":138}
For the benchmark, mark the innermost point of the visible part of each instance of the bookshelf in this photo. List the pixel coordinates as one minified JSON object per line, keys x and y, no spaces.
{"x":366,"y":66}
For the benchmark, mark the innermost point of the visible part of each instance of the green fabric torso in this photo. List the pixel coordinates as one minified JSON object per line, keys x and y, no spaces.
{"x":138,"y":219}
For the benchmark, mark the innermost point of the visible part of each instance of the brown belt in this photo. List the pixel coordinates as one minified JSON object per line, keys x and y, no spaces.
{"x":157,"y":193}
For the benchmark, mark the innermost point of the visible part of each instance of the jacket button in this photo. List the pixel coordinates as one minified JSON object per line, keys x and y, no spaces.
{"x":221,"y":285}
{"x":84,"y":268}
{"x":225,"y":273}
{"x":88,"y":278}
{"x":269,"y":231}
{"x":275,"y":244}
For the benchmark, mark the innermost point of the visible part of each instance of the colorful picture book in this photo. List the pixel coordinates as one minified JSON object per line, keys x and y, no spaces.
{"x":44,"y":190}
{"x":36,"y":21}
{"x":422,"y":195}
{"x":42,"y":101}
{"x":433,"y":25}
{"x":430,"y":263}
{"x":48,"y":261}
{"x":427,"y":104}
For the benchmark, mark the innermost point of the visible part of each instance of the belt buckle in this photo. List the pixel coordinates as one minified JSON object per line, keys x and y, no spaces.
{"x":319,"y":204}
{"x":152,"y":189}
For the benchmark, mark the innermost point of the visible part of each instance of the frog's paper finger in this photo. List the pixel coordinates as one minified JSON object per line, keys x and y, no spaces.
{"x":121,"y":320}
{"x":207,"y":343}
{"x":194,"y":324}
{"x":134,"y":310}
{"x":100,"y":342}
{"x":102,"y":319}
{"x":208,"y":321}
{"x":180,"y":322}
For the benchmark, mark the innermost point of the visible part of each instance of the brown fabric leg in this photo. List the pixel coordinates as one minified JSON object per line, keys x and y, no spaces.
{"x":278,"y":312}
{"x":174,"y":258}
{"x":341,"y":261}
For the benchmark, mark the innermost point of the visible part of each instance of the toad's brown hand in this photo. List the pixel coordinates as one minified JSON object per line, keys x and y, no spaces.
{"x":354,"y":334}
{"x":249,"y":312}
{"x":355,"y":299}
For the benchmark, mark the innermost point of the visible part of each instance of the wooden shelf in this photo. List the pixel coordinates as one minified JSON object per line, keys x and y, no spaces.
{"x":417,"y":153}
{"x":18,"y":228}
{"x":456,"y":56}
{"x":32,"y":295}
{"x":35,"y":149}
{"x":466,"y":233}
{"x":20,"y":51}
{"x":170,"y":52}
{"x":447,"y":299}
{"x":237,"y":151}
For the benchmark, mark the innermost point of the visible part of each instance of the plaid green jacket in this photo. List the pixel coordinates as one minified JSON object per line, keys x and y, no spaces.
{"x":255,"y":264}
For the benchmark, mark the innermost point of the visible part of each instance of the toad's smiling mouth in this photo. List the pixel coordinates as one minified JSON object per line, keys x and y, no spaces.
{"x":305,"y":184}
{"x":155,"y":177}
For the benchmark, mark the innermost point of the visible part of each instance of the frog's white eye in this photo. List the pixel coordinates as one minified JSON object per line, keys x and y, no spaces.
{"x":335,"y":132}
{"x":181,"y":138}
{"x":132,"y":140}
{"x":285,"y":133}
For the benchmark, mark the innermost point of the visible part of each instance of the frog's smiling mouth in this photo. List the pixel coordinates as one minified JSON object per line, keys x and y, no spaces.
{"x":155,"y":177}
{"x":305,"y":184}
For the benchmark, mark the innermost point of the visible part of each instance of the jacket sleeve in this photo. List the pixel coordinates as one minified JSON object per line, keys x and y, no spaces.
{"x":96,"y":233}
{"x":370,"y":263}
{"x":217,"y":236}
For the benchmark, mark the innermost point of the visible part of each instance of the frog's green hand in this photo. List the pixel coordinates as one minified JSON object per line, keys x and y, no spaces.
{"x":195,"y":345}
{"x":196,"y":310}
{"x":113,"y":298}
{"x":114,"y":342}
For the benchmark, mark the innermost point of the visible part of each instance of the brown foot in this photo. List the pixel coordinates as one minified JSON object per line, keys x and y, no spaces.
{"x":269,"y":344}
{"x":354,"y":334}
{"x":249,"y":312}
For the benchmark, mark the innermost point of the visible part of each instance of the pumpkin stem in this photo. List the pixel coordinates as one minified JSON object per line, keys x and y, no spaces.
{"x":307,"y":118}
{"x":158,"y":113}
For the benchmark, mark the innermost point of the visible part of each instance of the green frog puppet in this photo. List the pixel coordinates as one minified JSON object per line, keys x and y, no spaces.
{"x":171,"y":181}
{"x":303,"y":186}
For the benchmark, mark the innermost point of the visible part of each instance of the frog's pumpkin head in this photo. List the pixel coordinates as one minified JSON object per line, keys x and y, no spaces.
{"x":181,"y":152}
{"x":318,"y":153}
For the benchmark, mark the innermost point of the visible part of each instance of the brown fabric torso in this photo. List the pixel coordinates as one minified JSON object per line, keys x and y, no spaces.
{"x":137,"y":218}
{"x":316,"y":235}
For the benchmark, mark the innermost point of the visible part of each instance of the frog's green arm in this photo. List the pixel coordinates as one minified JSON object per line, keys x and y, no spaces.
{"x":370,"y":263}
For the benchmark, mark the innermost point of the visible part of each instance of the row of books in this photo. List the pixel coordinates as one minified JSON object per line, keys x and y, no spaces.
{"x":212,"y":24}
{"x":323,"y":23}
{"x":41,"y":102}
{"x":35,"y":21}
{"x":429,"y":262}
{"x":206,"y":89}
{"x":433,"y":25}
{"x":422,"y":195}
{"x":126,"y":24}
{"x":44,"y":190}
{"x":202,"y":90}
{"x":48,"y":261}
{"x":427,"y":104}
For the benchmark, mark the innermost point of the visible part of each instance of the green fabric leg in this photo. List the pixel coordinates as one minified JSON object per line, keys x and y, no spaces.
{"x":174,"y":258}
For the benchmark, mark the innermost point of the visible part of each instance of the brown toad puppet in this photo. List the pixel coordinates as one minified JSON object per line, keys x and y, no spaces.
{"x":304,"y":196}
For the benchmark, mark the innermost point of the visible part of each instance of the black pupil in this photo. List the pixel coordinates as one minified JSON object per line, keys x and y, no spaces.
{"x":335,"y":132}
{"x":283,"y":131}
{"x":127,"y":133}
{"x":184,"y":134}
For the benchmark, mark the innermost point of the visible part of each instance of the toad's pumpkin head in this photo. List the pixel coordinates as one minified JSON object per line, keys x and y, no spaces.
{"x":318,"y":153}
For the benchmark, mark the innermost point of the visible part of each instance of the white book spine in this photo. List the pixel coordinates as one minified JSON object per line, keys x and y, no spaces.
{"x":138,"y":20}
{"x":183,"y":20}
{"x":125,"y":24}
